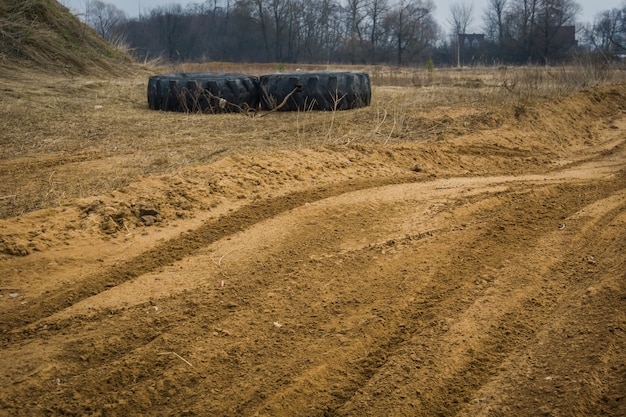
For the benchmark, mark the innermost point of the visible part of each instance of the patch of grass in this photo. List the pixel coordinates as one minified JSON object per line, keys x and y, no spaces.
{"x":44,"y":34}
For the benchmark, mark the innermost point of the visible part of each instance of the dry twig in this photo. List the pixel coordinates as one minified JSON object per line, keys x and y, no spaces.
{"x":282,"y":103}
{"x":178,"y":356}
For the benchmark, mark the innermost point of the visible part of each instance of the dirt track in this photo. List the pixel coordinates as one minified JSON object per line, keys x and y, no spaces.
{"x":331,"y":282}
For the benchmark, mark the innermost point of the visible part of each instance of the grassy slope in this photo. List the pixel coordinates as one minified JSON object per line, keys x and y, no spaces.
{"x":43,"y":34}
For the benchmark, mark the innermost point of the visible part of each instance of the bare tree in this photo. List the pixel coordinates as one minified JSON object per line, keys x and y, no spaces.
{"x":462,"y":15}
{"x":376,"y":10}
{"x":279,"y":13}
{"x":169,"y":24}
{"x":355,"y":15}
{"x":332,"y":28}
{"x":273,"y":19}
{"x":401,"y":31}
{"x":541,"y":30}
{"x":293,"y":30}
{"x":494,"y":20}
{"x":411,"y":26}
{"x":554,"y":19}
{"x":207,"y":27}
{"x":520,"y":23}
{"x":105,"y":18}
{"x":316,"y":28}
{"x":607,"y":33}
{"x":262,"y":17}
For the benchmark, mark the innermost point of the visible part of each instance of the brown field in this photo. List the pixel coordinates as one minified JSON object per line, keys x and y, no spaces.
{"x":458,"y":248}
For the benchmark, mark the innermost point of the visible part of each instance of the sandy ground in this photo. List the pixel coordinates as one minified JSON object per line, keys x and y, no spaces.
{"x":479,"y":276}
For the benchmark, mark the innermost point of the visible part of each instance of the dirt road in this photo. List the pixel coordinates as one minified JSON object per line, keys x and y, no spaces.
{"x":329,"y":283}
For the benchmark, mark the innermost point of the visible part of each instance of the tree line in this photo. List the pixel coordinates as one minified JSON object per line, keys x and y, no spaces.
{"x":397,"y":32}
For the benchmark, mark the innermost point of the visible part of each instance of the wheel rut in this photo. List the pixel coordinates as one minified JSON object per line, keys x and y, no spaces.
{"x":428,"y":326}
{"x":443,"y":364}
{"x":185,"y":244}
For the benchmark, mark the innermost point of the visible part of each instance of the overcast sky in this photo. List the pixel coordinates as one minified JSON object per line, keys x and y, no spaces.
{"x":442,"y":13}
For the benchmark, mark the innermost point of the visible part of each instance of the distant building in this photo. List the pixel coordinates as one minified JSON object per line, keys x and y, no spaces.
{"x":470,"y":48}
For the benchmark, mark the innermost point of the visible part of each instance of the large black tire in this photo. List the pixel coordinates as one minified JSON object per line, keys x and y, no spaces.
{"x":302,"y":91}
{"x":203,"y":92}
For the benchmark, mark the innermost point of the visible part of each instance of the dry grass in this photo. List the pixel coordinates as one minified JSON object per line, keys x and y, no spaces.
{"x":70,"y":137}
{"x":43,"y":34}
{"x":76,"y":123}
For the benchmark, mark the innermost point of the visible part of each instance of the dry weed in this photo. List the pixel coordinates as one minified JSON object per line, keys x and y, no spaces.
{"x":69,"y":137}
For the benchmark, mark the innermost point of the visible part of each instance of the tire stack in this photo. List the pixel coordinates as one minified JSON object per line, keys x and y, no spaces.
{"x":222,"y":93}
{"x":302,"y":91}
{"x":203,"y":92}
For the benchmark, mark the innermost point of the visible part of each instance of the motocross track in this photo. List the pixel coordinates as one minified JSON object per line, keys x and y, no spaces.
{"x":479,"y":275}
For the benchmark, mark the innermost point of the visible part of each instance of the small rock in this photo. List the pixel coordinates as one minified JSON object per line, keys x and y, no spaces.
{"x":148,"y":220}
{"x":14,"y":295}
{"x":108,"y":225}
{"x":147,"y":211}
{"x":93,"y":206}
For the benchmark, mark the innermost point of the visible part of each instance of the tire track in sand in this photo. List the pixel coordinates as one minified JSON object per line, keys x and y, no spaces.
{"x":174,"y":250}
{"x":407,"y":319}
